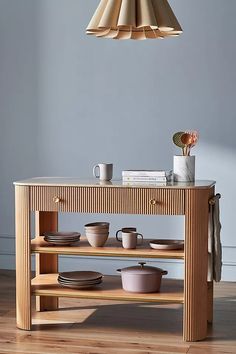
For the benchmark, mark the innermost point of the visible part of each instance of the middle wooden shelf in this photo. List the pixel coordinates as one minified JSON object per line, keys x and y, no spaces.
{"x":111,"y":249}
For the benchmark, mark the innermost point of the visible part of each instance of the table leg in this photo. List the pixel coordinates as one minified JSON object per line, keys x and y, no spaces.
{"x":23,"y":258}
{"x":210,"y":284}
{"x":46,"y":263}
{"x":196,"y":265}
{"x":210,"y":289}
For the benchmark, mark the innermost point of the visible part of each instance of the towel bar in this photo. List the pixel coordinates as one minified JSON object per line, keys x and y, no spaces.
{"x":213,"y":199}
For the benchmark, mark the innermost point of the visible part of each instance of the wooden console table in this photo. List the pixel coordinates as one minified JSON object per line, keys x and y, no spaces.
{"x":48,"y":196}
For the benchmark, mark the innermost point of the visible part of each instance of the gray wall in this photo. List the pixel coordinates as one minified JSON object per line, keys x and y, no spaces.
{"x":18,"y":110}
{"x":68,"y":101}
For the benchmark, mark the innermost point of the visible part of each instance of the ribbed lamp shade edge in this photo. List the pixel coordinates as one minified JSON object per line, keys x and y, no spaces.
{"x":134,"y":19}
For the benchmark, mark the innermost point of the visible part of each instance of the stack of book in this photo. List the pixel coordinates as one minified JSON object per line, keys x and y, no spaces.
{"x":152,"y":177}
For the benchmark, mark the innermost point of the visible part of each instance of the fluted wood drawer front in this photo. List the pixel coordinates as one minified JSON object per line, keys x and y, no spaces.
{"x":108,"y":200}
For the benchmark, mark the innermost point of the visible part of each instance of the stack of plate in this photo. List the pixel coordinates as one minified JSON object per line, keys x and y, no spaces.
{"x":80,"y":279}
{"x":61,"y":238}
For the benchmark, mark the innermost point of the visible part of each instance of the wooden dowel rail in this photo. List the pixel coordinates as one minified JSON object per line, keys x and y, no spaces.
{"x":213,"y":199}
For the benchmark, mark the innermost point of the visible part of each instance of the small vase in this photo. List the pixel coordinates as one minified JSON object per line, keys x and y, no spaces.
{"x":184,"y":168}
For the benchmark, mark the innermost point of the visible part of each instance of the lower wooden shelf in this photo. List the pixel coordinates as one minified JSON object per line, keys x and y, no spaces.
{"x":110,"y":289}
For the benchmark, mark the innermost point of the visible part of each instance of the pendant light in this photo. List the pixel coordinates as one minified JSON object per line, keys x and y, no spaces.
{"x":134,"y":19}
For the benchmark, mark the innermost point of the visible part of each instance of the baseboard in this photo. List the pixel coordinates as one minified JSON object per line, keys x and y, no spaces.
{"x":7,"y":261}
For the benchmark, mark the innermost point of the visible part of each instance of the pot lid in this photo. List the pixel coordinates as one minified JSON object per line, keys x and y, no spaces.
{"x":142,"y":269}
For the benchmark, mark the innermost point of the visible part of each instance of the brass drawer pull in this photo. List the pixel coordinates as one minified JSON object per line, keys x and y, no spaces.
{"x":152,"y":201}
{"x":56,"y":199}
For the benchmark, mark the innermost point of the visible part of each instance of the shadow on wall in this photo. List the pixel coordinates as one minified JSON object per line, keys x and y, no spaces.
{"x":218,"y":162}
{"x":19,"y":59}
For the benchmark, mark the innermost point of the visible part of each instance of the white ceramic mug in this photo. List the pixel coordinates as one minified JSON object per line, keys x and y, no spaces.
{"x":129,"y":237}
{"x":103,"y":171}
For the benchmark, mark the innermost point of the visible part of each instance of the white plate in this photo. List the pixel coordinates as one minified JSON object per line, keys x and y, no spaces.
{"x":167,"y":244}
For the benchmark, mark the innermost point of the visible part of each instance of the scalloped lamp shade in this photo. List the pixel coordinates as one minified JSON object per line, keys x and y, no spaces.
{"x":134,"y":19}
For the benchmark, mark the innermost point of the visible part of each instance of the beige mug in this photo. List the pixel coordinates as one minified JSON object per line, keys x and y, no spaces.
{"x":103,"y":171}
{"x":129,"y":237}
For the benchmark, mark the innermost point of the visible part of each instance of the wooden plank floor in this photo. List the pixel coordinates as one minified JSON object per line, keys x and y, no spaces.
{"x":95,"y":326}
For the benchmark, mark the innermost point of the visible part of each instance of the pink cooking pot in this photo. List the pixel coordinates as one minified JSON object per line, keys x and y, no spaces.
{"x":141,"y":278}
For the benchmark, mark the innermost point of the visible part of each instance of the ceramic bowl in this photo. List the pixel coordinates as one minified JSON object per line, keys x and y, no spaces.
{"x":97,"y":231}
{"x":97,"y":225}
{"x":97,"y":240}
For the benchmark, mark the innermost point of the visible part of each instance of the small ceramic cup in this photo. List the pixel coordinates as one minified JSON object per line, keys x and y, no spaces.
{"x":129,"y":237}
{"x":103,"y":171}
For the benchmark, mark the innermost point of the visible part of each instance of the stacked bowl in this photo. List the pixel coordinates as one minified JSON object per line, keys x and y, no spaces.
{"x":97,"y":233}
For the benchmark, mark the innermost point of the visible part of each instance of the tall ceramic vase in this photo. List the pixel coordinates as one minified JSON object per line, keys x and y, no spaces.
{"x":184,"y":168}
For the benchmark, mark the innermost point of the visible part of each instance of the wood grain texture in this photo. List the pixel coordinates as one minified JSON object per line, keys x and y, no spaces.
{"x":46,"y":263}
{"x":23,"y":259}
{"x":192,"y":202}
{"x":120,"y":327}
{"x":110,"y":289}
{"x":210,"y":300}
{"x":112,"y":248}
{"x":108,"y":200}
{"x":210,"y":284}
{"x":196,"y":264}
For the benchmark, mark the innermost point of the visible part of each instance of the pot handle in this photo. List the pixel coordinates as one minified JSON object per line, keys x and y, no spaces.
{"x":164,"y":272}
{"x":118,"y":270}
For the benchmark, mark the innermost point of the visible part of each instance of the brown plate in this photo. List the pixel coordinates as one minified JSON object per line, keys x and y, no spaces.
{"x":79,"y":282}
{"x":61,"y":243}
{"x":66,"y":240}
{"x":167,"y":244}
{"x":80,"y":276}
{"x":79,"y":286}
{"x":98,"y":225}
{"x":64,"y":234}
{"x":62,"y":238}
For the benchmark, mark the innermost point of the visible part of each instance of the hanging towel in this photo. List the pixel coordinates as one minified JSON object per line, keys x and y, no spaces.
{"x":214,"y":243}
